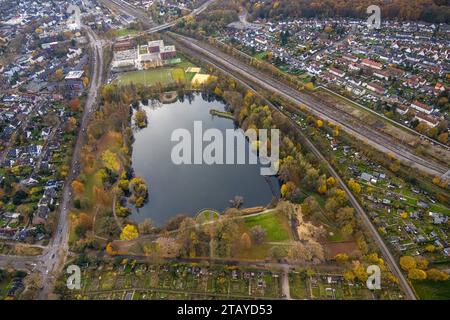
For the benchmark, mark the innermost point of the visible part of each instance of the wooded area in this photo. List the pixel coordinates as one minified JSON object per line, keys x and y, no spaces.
{"x":426,"y":10}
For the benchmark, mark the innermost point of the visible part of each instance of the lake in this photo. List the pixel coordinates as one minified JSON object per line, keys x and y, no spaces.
{"x":186,"y":189}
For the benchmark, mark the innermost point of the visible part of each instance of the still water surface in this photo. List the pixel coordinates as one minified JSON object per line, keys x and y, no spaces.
{"x":186,"y":189}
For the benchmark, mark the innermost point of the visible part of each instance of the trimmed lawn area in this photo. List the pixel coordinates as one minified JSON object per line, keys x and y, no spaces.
{"x":152,"y":77}
{"x":432,"y":290}
{"x":126,"y":32}
{"x":185,"y":63}
{"x":275,"y":224}
{"x":178,"y":75}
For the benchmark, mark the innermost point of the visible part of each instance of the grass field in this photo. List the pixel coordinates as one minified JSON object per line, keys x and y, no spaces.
{"x":151,"y":77}
{"x":432,"y":290}
{"x":275,"y":224}
{"x":126,"y":32}
{"x":4,"y":286}
{"x":261,"y":55}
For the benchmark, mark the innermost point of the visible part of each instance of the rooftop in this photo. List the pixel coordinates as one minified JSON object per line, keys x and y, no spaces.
{"x":74,"y":75}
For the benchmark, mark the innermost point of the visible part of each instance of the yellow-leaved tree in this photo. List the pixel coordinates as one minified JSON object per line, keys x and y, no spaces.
{"x":129,"y":232}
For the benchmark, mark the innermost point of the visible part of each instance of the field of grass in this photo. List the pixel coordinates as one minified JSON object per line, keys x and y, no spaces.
{"x":432,"y":290}
{"x":261,"y":55}
{"x":178,"y":75}
{"x":126,"y":32}
{"x":151,"y":77}
{"x":185,"y":63}
{"x":4,"y":286}
{"x":275,"y":224}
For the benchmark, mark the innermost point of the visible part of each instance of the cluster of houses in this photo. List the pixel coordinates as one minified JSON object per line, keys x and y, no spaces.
{"x":44,"y":51}
{"x":166,"y":7}
{"x":32,"y":153}
{"x":390,"y":66}
{"x":406,"y":220}
{"x":128,"y":55}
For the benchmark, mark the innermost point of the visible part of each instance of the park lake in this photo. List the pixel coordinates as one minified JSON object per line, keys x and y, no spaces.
{"x":186,"y":189}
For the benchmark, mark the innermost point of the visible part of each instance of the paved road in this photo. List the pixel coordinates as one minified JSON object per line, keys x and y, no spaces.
{"x":349,"y":124}
{"x":56,"y":254}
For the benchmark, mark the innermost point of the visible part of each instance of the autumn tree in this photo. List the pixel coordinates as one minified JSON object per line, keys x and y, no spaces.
{"x":129,"y":232}
{"x":421,"y":262}
{"x":354,"y":186}
{"x":140,"y":118}
{"x":443,"y":137}
{"x":77,"y":187}
{"x":287,"y":189}
{"x":407,"y":263}
{"x":349,"y":276}
{"x":83,"y":224}
{"x":245,"y":241}
{"x":75,"y":104}
{"x":417,"y":274}
{"x":258,"y":234}
{"x":146,"y":226}
{"x":310,"y":206}
{"x":341,"y":258}
{"x":359,"y":271}
{"x":110,"y":161}
{"x":139,"y":191}
{"x":437,"y":275}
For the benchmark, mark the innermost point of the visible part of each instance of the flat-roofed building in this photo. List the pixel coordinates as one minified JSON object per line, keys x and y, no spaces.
{"x":73,"y":83}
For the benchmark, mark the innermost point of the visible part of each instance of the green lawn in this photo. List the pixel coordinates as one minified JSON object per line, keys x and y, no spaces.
{"x":4,"y":286}
{"x":432,"y":290}
{"x":126,"y":32}
{"x":185,"y":63}
{"x":151,"y":77}
{"x":261,"y":55}
{"x":275,"y":224}
{"x":178,"y":75}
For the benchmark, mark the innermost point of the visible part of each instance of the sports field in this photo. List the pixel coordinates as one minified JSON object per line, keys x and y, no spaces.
{"x":151,"y":77}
